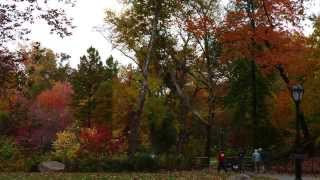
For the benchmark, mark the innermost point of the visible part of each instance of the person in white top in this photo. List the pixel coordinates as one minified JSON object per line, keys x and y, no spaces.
{"x":256,"y":157}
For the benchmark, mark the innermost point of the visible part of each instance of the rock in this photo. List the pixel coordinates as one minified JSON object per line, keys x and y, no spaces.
{"x":240,"y":177}
{"x":51,"y":166}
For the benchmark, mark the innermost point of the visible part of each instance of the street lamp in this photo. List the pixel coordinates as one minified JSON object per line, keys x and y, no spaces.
{"x":297,"y":93}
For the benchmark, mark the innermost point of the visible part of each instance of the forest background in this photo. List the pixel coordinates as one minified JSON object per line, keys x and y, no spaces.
{"x":202,"y":78}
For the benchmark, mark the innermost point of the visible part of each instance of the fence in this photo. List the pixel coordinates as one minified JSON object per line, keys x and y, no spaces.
{"x":309,"y":166}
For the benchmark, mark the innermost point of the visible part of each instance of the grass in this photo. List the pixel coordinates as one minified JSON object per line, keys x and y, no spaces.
{"x":192,"y":175}
{"x":181,"y":175}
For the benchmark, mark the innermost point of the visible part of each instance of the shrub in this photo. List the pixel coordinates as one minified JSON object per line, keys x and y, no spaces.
{"x":318,"y":141}
{"x":66,"y":147}
{"x":4,"y":121}
{"x":10,"y":157}
{"x":175,"y":162}
{"x":116,"y":165}
{"x":32,"y":161}
{"x":97,"y":145}
{"x":99,"y":141}
{"x":143,"y":162}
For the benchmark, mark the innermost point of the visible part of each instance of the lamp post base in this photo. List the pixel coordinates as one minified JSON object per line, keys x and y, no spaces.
{"x":298,"y":166}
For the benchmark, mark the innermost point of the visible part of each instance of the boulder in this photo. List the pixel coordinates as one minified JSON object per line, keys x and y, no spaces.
{"x":240,"y":177}
{"x":51,"y":166}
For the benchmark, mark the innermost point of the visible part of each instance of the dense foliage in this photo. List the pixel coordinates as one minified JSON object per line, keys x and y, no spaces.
{"x":198,"y":83}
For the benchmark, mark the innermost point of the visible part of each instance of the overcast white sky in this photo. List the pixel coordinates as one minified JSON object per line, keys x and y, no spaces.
{"x":87,"y":14}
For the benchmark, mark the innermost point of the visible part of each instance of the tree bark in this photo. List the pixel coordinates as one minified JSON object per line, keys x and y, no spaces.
{"x":135,"y":119}
{"x":211,"y":61}
{"x":250,"y":12}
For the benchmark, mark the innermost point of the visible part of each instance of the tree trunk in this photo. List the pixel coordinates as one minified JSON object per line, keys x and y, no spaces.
{"x":134,"y":122}
{"x":250,"y":12}
{"x":254,"y":103}
{"x":183,"y":134}
{"x":211,"y":61}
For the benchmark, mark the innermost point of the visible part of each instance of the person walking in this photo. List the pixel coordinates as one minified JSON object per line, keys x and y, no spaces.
{"x":263,"y":160}
{"x":256,"y":157}
{"x":221,"y":161}
{"x":241,"y":159}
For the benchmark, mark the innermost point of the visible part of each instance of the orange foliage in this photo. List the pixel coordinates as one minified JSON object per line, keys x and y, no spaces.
{"x":58,"y":97}
{"x":283,"y":115}
{"x":201,"y":26}
{"x":276,"y":37}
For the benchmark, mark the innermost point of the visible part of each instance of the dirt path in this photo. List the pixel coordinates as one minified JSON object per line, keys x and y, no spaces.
{"x":290,"y":177}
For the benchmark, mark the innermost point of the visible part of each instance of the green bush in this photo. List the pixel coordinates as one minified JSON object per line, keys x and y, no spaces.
{"x":88,"y":164}
{"x":32,"y":161}
{"x":10,"y":157}
{"x":4,"y":121}
{"x":175,"y":162}
{"x":143,"y":162}
{"x":318,"y":142}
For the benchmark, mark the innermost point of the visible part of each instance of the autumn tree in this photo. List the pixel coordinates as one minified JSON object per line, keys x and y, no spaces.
{"x":15,"y":15}
{"x":266,"y":33}
{"x":137,"y":33}
{"x":45,"y":117}
{"x":202,"y":23}
{"x":40,"y":68}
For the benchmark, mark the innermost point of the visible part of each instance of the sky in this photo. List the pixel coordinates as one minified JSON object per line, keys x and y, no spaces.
{"x":88,"y":14}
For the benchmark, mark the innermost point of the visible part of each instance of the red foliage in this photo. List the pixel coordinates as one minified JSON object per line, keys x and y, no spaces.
{"x":201,"y":26}
{"x":99,"y":139}
{"x":57,"y":98}
{"x":270,"y":34}
{"x":46,"y":116}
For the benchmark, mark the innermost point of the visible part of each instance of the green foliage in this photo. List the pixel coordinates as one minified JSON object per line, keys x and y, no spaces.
{"x":90,"y":163}
{"x":164,"y":135}
{"x":103,"y":109}
{"x":318,"y":142}
{"x":4,"y":121}
{"x":10,"y":157}
{"x":240,"y":93}
{"x":40,"y":70}
{"x":32,"y":161}
{"x":175,"y":162}
{"x":91,"y":82}
{"x":8,"y":149}
{"x":240,"y":100}
{"x":143,"y":162}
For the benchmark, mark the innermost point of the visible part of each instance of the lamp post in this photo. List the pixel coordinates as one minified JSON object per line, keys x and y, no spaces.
{"x":297,"y":93}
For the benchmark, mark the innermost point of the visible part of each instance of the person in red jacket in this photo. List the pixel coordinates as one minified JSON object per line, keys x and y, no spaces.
{"x":221,"y":163}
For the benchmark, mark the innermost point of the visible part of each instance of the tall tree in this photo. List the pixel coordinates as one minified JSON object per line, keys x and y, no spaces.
{"x":202,"y":23}
{"x":136,"y":20}
{"x":86,"y":82}
{"x":40,"y":69}
{"x":104,"y":94}
{"x":266,"y":33}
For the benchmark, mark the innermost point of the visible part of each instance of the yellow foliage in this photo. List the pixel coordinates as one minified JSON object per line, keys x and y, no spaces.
{"x":66,"y":146}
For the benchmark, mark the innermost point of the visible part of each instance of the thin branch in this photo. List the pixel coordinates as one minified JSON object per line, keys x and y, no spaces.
{"x":267,"y":14}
